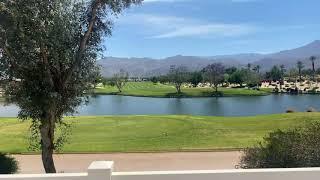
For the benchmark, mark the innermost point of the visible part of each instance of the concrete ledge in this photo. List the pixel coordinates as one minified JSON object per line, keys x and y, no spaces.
{"x":102,"y":170}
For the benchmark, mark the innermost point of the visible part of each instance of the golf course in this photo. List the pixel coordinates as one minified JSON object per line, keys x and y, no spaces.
{"x":149,"y":89}
{"x":156,"y":133}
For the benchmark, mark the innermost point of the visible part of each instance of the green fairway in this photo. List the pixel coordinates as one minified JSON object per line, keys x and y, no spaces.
{"x":156,"y":133}
{"x":149,"y":89}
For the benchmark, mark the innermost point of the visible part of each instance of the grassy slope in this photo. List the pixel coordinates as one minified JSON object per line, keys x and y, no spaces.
{"x":159,"y":90}
{"x":157,"y":133}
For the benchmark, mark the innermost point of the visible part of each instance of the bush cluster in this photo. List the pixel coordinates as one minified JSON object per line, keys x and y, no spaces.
{"x":8,"y":165}
{"x":293,"y":148}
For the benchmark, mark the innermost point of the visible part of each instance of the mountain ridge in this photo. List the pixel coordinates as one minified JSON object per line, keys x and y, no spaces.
{"x":140,"y":67}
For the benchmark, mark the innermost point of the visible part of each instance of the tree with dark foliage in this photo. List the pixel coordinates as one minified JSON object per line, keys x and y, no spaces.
{"x":231,"y":70}
{"x":154,"y":79}
{"x":275,"y":74}
{"x":238,"y":77}
{"x":300,"y":67}
{"x":48,"y":52}
{"x":214,"y":74}
{"x":195,"y":78}
{"x":283,"y":71}
{"x":178,"y":76}
{"x":8,"y":165}
{"x":120,"y":79}
{"x":313,"y":59}
{"x":257,"y":69}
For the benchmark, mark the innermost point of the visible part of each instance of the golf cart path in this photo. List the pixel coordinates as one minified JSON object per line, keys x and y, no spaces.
{"x":70,"y":163}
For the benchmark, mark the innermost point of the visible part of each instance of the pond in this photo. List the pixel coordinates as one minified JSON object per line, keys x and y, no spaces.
{"x":226,"y":106}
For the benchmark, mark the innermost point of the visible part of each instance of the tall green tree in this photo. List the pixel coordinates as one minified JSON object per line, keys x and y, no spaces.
{"x":283,"y":71}
{"x":275,"y":74}
{"x":257,"y":69}
{"x":300,"y":67}
{"x":120,"y":79}
{"x":195,"y":78}
{"x":238,"y":77}
{"x":177,"y":76}
{"x":293,"y":73}
{"x":214,"y":74}
{"x":231,"y":70}
{"x":252,"y":79}
{"x":48,"y":58}
{"x":249,"y":65}
{"x":313,"y":59}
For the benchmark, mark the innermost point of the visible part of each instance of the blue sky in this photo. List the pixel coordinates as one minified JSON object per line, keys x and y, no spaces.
{"x":162,"y":28}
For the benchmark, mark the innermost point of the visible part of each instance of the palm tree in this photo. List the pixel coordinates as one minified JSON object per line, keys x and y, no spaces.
{"x":313,"y":59}
{"x":293,"y":75}
{"x":300,"y":66}
{"x":249,"y":66}
{"x":283,"y":70}
{"x":257,"y":68}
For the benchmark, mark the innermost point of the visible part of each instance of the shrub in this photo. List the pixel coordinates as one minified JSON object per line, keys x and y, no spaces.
{"x":289,"y":110}
{"x":293,"y":148}
{"x":311,"y":109}
{"x":8,"y":165}
{"x":154,"y":80}
{"x":313,"y":91}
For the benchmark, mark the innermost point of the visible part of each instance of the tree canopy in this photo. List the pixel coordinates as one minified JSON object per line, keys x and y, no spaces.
{"x":195,"y":78}
{"x":120,"y":79}
{"x":214,"y":74}
{"x":238,"y":77}
{"x":178,"y":76}
{"x":48,"y":52}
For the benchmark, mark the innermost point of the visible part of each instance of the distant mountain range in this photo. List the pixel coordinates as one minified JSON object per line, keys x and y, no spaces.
{"x":144,"y":67}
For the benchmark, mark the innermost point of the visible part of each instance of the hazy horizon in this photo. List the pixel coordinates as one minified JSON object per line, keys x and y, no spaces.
{"x":213,"y":55}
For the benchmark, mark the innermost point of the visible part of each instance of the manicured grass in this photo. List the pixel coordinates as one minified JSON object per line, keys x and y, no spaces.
{"x":149,"y":89}
{"x":156,"y":133}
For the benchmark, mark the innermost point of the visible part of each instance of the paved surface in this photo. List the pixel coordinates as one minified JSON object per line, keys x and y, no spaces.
{"x":135,"y":161}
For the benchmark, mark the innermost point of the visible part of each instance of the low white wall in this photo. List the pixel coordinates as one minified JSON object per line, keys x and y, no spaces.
{"x":272,"y":174}
{"x":102,"y":170}
{"x":67,"y":176}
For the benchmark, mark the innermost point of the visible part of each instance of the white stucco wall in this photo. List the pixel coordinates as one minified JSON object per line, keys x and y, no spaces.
{"x":102,"y":170}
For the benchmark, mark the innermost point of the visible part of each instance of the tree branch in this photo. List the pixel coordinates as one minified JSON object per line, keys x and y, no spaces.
{"x":45,"y":61}
{"x":85,"y":38}
{"x":10,"y":56}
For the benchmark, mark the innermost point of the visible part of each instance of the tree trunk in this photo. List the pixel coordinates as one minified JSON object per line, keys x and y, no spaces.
{"x":178,"y":89}
{"x":216,"y":89}
{"x":119,"y":87}
{"x":300,"y":76}
{"x":313,"y":72}
{"x":47,"y":145}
